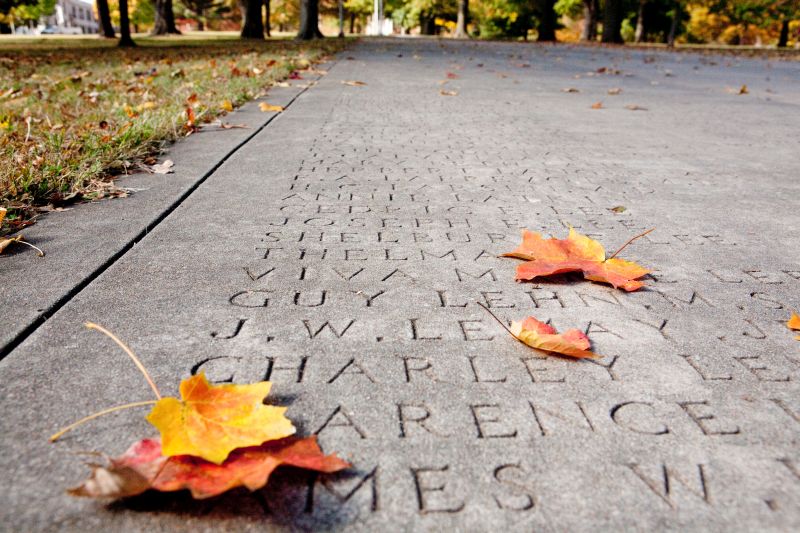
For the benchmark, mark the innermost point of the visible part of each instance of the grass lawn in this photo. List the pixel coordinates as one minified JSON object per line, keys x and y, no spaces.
{"x":76,"y":111}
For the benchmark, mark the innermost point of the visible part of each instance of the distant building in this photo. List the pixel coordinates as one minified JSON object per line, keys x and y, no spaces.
{"x":76,"y":14}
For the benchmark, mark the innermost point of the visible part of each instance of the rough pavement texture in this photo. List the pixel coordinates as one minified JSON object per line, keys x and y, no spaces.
{"x":342,"y":251}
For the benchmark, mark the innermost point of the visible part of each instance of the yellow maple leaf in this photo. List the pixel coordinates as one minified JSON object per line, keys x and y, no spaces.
{"x":210,"y":421}
{"x":226,"y":105}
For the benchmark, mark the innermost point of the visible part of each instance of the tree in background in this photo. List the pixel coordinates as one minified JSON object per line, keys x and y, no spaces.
{"x":580,"y":9}
{"x":125,"y":40}
{"x":547,"y":20}
{"x":104,"y":16}
{"x":309,"y":20}
{"x":199,"y":8}
{"x":612,"y":21}
{"x":164,"y":18}
{"x":361,"y":9}
{"x":252,"y":23}
{"x":461,"y":21}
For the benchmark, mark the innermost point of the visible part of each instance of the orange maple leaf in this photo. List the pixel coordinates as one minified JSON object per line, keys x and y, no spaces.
{"x":794,"y":324}
{"x":576,"y":253}
{"x":143,"y":467}
{"x":541,"y":336}
{"x":210,"y":421}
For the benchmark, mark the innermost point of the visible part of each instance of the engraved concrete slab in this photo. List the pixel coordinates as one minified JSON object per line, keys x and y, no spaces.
{"x":345,"y":263}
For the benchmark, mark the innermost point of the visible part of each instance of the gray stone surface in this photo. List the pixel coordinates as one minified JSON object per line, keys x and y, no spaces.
{"x":80,"y":243}
{"x":342,"y":251}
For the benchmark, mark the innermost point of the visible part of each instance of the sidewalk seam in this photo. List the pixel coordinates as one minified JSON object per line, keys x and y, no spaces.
{"x":31,"y":328}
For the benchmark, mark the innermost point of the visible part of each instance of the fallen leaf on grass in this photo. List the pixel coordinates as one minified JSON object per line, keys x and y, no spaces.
{"x":541,"y":336}
{"x":353,"y":83}
{"x":448,"y":93}
{"x":265,"y":107}
{"x":210,"y":421}
{"x":614,"y":91}
{"x":569,"y":90}
{"x":226,"y":105}
{"x":597,"y":105}
{"x":794,"y":324}
{"x":143,"y":467}
{"x":163,"y":168}
{"x":634,"y":107}
{"x":576,"y":253}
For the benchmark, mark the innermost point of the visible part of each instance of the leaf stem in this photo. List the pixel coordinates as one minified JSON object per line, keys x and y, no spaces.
{"x":41,"y":253}
{"x":629,"y":241}
{"x":72,"y":426}
{"x":139,"y":365}
{"x":498,"y":320}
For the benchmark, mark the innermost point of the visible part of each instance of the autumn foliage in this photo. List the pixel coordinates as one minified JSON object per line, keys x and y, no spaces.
{"x":576,"y":253}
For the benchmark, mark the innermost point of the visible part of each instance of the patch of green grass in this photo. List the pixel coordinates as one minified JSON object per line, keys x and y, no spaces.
{"x":76,"y":112}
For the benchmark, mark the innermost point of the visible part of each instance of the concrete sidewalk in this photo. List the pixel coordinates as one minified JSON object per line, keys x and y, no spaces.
{"x":341,"y":253}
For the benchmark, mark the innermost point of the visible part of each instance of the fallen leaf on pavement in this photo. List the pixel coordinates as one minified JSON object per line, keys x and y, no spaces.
{"x":597,"y":105}
{"x":618,"y":209}
{"x":634,"y":107}
{"x":353,"y":83}
{"x":265,"y":107}
{"x":448,"y":93}
{"x":614,"y":91}
{"x":143,"y":467}
{"x":5,"y":242}
{"x":163,"y":168}
{"x":576,"y":253}
{"x":226,"y":105}
{"x":541,"y":336}
{"x":210,"y":421}
{"x":743,"y":90}
{"x":794,"y":324}
{"x":569,"y":90}
{"x":451,"y":75}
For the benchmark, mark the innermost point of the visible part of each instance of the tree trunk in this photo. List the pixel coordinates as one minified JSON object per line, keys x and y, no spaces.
{"x":547,"y":21}
{"x":252,"y":25}
{"x":124,"y":25}
{"x":201,"y":26}
{"x":673,"y":29}
{"x":783,"y":40}
{"x":267,"y":23}
{"x":589,"y":32}
{"x":612,"y":21}
{"x":164,"y":22}
{"x":352,"y":23}
{"x":106,"y":27}
{"x":461,"y":21}
{"x":639,"y":35}
{"x":309,"y":20}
